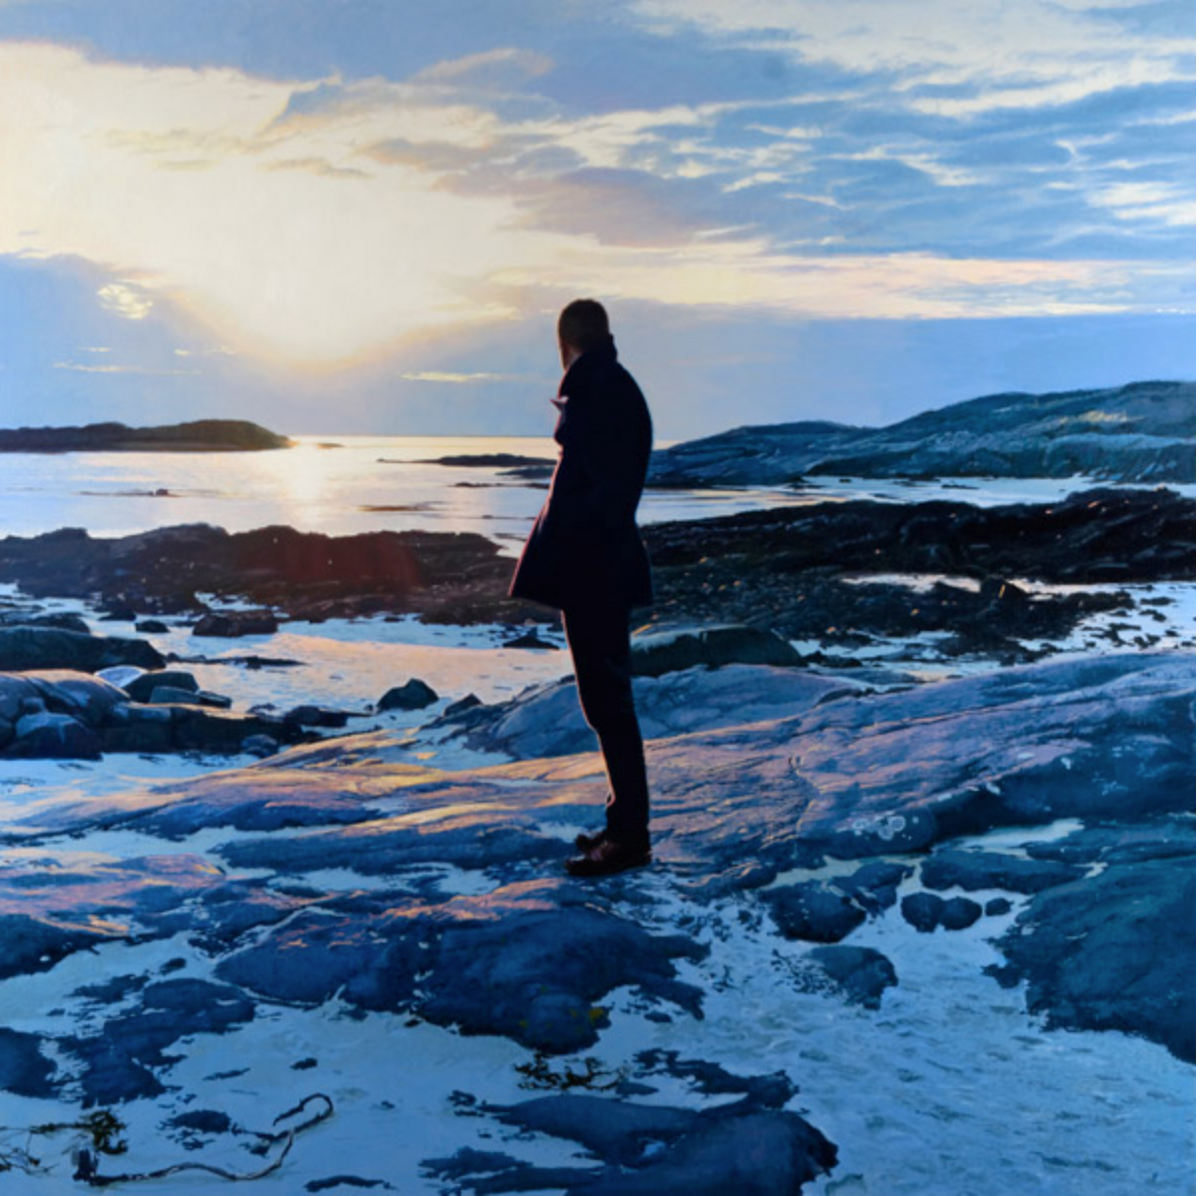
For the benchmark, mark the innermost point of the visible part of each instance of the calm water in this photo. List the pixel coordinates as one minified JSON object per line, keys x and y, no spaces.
{"x":365,"y":483}
{"x":368,"y":483}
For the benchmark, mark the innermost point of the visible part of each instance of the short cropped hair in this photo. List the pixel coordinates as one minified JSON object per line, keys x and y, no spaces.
{"x":583,"y":324}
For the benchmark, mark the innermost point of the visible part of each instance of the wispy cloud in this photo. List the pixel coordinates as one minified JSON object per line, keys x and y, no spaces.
{"x":506,"y":65}
{"x":460,"y":379}
{"x":83,"y":368}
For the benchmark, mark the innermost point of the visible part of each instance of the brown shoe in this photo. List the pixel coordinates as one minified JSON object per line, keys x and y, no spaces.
{"x":586,"y":842}
{"x":609,"y":856}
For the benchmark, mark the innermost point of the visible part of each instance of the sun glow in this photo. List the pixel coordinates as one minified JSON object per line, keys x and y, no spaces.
{"x":186,"y":182}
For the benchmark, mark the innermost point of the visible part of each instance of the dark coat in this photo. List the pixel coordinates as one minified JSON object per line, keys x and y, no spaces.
{"x":584,"y":548}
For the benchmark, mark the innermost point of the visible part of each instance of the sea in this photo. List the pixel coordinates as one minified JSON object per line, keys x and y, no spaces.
{"x":342,"y":485}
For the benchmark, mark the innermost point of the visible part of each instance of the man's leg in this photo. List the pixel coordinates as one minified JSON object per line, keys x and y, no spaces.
{"x":599,"y":641}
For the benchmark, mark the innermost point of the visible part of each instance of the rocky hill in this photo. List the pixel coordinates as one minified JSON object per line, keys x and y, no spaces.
{"x":201,"y":435}
{"x":1143,"y":432}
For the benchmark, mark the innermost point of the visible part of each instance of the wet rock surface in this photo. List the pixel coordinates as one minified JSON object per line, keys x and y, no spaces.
{"x":546,"y":720}
{"x":1114,"y":952}
{"x":750,"y":1145}
{"x":529,"y":961}
{"x":345,"y":876}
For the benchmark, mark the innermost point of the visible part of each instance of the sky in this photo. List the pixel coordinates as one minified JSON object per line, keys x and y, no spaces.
{"x":363,"y":216}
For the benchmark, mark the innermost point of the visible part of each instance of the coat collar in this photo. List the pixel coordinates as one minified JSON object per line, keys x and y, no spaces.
{"x":585,"y":363}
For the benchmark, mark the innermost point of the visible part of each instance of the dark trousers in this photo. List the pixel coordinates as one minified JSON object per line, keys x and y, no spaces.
{"x":598,"y":637}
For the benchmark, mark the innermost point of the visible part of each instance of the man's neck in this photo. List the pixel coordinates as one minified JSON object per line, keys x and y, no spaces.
{"x":569,"y":355}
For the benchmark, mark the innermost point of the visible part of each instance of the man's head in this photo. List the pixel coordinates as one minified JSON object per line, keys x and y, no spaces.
{"x":582,"y":326}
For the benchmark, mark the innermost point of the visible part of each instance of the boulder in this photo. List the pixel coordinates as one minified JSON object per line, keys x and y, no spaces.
{"x":960,"y":912}
{"x":412,"y":695}
{"x":15,"y":691}
{"x":47,"y":735}
{"x":652,"y":1149}
{"x":813,"y":912}
{"x":121,"y":675}
{"x":260,"y":746}
{"x":309,"y":715}
{"x":923,"y":910}
{"x":860,"y":973}
{"x":169,"y":694}
{"x":52,"y":648}
{"x":90,"y":699}
{"x":141,"y":686}
{"x":927,"y":911}
{"x":232,"y":624}
{"x":142,"y":729}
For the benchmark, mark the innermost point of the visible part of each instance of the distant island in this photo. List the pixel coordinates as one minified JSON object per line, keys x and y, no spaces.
{"x":197,"y":436}
{"x":1143,"y":432}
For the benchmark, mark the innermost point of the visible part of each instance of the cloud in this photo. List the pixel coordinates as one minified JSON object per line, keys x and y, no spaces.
{"x":459,"y":379}
{"x":83,"y":368}
{"x":505,"y":66}
{"x":1002,"y":53}
{"x":125,"y":300}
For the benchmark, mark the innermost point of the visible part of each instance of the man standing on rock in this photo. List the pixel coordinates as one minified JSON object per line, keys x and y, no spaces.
{"x":585,"y":558}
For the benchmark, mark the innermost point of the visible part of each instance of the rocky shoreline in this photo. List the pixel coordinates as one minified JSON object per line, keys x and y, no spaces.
{"x":783,"y":570}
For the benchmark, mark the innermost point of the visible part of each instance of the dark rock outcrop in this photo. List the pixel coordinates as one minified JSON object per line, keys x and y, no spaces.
{"x":487,"y":461}
{"x":738,"y":1148}
{"x":1116,"y":951}
{"x":529,"y":961}
{"x":813,"y":912}
{"x":414,"y":694}
{"x":1144,"y":432}
{"x":59,"y":713}
{"x":453,"y":577}
{"x":141,"y":687}
{"x":874,"y":886}
{"x":861,"y":974}
{"x":992,"y":870}
{"x":24,"y":648}
{"x":118,"y":1064}
{"x":235,"y":623}
{"x":666,"y":650}
{"x":784,"y":570}
{"x":24,"y":1070}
